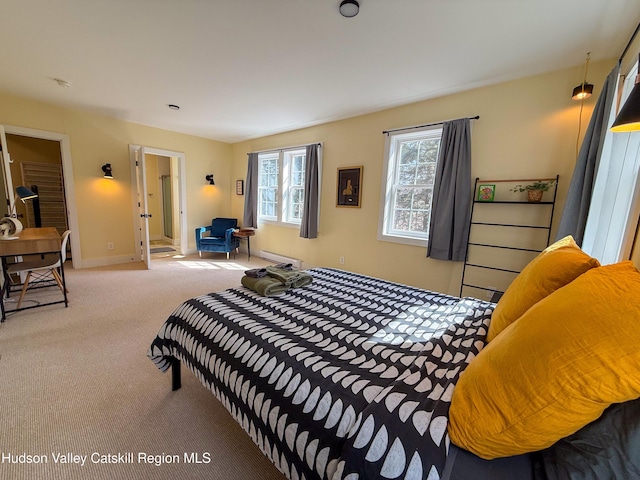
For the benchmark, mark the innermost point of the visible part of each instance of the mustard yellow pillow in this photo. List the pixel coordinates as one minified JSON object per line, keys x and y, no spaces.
{"x":555,"y":370}
{"x":559,"y":264}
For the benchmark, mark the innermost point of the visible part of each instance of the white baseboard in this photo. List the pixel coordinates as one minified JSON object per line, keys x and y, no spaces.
{"x":104,"y":261}
{"x":277,"y":258}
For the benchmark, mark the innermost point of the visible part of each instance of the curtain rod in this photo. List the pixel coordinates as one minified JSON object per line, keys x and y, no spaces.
{"x":624,"y":52}
{"x":429,"y":124}
{"x":285,"y":148}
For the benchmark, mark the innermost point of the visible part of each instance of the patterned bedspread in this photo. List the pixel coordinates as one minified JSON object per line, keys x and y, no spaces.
{"x":347,"y":378}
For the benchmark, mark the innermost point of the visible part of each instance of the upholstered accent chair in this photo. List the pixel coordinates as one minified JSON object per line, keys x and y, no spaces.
{"x":218,"y":237}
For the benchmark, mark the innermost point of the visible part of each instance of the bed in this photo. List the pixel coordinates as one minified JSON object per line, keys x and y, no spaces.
{"x":350,"y":377}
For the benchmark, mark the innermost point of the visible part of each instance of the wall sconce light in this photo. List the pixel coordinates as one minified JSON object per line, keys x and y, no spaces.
{"x":106,"y":168}
{"x":209,"y":179}
{"x":628,"y":119}
{"x":584,"y":90}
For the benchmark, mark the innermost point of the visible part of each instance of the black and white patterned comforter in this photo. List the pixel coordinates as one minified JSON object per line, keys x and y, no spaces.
{"x":347,"y":378}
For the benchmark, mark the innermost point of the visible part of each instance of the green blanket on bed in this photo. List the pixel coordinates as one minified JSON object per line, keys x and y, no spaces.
{"x":290,"y":278}
{"x":277,"y":281}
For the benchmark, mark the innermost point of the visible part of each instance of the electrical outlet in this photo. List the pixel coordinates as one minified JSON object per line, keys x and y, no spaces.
{"x":341,"y":260}
{"x":110,"y":246}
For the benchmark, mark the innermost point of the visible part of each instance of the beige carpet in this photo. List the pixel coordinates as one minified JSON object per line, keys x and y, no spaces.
{"x":77,"y":381}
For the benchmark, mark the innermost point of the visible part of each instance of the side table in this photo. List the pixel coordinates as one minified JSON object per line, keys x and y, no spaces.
{"x":245,"y":233}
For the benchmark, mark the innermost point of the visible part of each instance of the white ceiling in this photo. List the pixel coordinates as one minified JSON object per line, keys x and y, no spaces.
{"x":242,"y":69}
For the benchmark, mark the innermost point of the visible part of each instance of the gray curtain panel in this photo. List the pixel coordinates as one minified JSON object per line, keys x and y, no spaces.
{"x":309,"y":226}
{"x":251,"y":193}
{"x":576,"y":208}
{"x":451,"y":204}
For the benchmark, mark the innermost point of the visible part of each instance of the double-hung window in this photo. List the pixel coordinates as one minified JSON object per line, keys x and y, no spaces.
{"x":408,"y":178}
{"x":281,"y":186}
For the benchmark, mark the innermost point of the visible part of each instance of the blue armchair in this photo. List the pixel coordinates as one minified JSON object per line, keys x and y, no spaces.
{"x":218,"y":237}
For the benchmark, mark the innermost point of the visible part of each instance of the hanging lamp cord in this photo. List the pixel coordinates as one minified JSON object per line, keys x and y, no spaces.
{"x":584,"y":81}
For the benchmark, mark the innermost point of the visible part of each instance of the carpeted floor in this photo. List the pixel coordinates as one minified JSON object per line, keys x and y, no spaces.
{"x":76,"y":385}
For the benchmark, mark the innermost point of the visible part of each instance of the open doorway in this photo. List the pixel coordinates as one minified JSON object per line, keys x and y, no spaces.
{"x":42,"y":159}
{"x":163,"y":203}
{"x":159,"y":198}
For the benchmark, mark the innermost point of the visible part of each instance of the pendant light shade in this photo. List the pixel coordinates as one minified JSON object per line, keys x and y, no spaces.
{"x":585,"y":89}
{"x":582,"y":91}
{"x":628,"y":119}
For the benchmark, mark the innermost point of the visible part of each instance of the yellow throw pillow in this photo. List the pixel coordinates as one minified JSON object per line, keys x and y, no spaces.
{"x":559,"y":264}
{"x":555,"y":370}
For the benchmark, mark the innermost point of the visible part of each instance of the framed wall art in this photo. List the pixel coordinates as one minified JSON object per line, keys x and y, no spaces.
{"x":486,"y":193}
{"x":349,"y":187}
{"x":239,"y":187}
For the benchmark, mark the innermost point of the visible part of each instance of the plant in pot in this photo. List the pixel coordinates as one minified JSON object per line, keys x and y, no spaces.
{"x":535,"y":189}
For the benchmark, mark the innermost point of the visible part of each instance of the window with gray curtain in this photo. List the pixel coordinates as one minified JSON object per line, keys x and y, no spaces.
{"x":451,"y":204}
{"x":251,"y":193}
{"x":411,"y":157}
{"x":311,"y":205}
{"x":282,"y":187}
{"x":576,"y":207}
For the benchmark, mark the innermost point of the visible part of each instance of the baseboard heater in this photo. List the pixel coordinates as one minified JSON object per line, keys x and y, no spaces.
{"x":276,"y":258}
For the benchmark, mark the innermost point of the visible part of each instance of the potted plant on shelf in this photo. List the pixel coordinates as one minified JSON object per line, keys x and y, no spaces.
{"x":535,"y":189}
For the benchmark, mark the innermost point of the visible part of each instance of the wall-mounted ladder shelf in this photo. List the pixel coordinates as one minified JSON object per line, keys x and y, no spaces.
{"x":505,"y":233}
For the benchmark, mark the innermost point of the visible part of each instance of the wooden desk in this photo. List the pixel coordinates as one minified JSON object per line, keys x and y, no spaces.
{"x":30,"y":241}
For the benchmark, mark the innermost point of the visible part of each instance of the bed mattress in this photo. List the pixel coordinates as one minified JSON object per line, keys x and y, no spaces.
{"x":347,"y":378}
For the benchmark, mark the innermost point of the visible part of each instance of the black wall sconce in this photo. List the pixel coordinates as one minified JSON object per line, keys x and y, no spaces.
{"x":209,"y":179}
{"x":106,"y":168}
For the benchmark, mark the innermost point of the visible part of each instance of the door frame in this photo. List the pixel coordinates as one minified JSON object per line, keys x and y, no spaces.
{"x":182,"y":191}
{"x":67,"y":176}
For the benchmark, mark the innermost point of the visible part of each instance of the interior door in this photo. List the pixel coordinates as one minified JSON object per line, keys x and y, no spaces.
{"x":142,"y":218}
{"x":7,"y":184}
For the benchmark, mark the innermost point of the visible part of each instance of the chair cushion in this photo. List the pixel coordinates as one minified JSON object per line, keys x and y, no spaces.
{"x":559,"y":264}
{"x":555,"y":370}
{"x":220,"y":225}
{"x":212,"y":241}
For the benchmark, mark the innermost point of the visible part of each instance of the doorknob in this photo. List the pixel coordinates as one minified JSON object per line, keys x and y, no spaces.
{"x":145,"y":215}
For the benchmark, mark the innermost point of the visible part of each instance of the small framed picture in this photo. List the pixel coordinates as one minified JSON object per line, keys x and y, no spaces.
{"x":486,"y":193}
{"x":239,"y":187}
{"x":349,"y":187}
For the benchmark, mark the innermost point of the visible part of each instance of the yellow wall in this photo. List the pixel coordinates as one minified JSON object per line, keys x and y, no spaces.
{"x":527,"y":128}
{"x":105,"y":206}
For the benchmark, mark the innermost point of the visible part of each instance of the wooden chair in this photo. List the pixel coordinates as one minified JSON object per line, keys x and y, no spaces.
{"x":41,"y":269}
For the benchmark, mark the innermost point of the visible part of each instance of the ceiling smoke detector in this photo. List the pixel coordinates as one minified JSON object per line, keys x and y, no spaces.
{"x":62,"y":83}
{"x":349,"y":8}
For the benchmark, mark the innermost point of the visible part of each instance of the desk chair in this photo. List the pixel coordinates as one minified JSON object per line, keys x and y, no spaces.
{"x":41,"y":269}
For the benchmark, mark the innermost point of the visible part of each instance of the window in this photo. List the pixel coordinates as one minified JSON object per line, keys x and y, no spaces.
{"x":281,"y":186}
{"x":614,"y":209}
{"x":410,"y":166}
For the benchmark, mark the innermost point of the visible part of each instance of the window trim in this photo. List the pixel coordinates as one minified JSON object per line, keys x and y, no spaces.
{"x":391,"y":141}
{"x":284,"y":158}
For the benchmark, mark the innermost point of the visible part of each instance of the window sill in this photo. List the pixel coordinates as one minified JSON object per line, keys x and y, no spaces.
{"x":416,"y":242}
{"x":278,"y":224}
